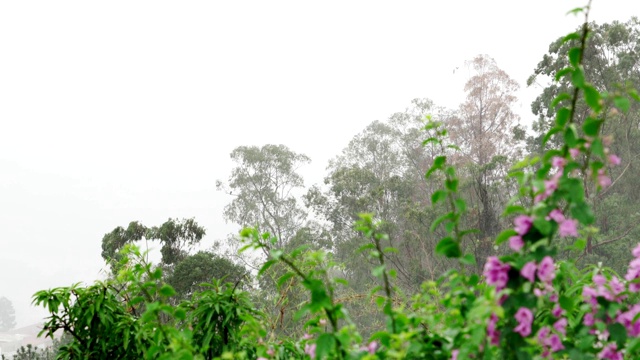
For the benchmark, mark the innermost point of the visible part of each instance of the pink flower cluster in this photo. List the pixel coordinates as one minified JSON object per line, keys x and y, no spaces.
{"x":492,"y":332}
{"x":522,"y":224}
{"x":633,"y":273}
{"x":545,"y":270}
{"x":550,"y":341}
{"x":566,"y":227}
{"x":603,"y":180}
{"x":610,"y":353}
{"x":551,"y":185}
{"x":613,"y":290}
{"x":371,"y":348}
{"x":496,"y":273}
{"x":524,"y":316}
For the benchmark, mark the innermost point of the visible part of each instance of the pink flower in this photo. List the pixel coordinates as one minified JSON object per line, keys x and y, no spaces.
{"x":556,"y":215}
{"x":522,"y":224}
{"x":598,"y":279}
{"x":559,"y":162}
{"x":454,"y":354}
{"x":524,"y":316}
{"x":543,"y":333}
{"x":588,"y":319}
{"x":616,"y":286}
{"x":609,"y":352}
{"x":557,"y":311}
{"x":590,"y":295}
{"x":603,"y":180}
{"x":561,"y":326}
{"x":554,"y":343}
{"x":492,"y":333}
{"x":372,"y":347}
{"x":310,"y":349}
{"x":549,"y":187}
{"x":516,"y":243}
{"x":627,"y":320}
{"x":633,"y":272}
{"x":614,"y":159}
{"x":529,"y":271}
{"x":262,"y":358}
{"x":307,"y":336}
{"x":574,"y":152}
{"x":496,"y":273}
{"x":546,"y":270}
{"x":549,"y":341}
{"x":569,"y":227}
{"x":271,"y":352}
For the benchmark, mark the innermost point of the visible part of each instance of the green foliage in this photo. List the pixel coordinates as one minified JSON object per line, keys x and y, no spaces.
{"x":30,"y":352}
{"x":176,"y":237}
{"x":194,"y":270}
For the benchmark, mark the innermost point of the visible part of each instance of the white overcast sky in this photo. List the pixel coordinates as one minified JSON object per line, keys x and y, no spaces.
{"x":116,"y":111}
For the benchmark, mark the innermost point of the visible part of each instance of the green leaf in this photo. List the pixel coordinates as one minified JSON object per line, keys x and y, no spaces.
{"x":167,"y":290}
{"x":554,"y":130}
{"x":574,"y":189}
{"x":574,"y":56}
{"x":439,"y":161}
{"x":566,"y":303}
{"x":575,"y":11}
{"x":156,"y":274}
{"x":468,"y":259}
{"x":542,"y":225}
{"x":618,"y":333}
{"x":512,"y":209}
{"x":571,"y":136}
{"x":582,"y":212}
{"x":563,"y":72}
{"x":577,"y":77}
{"x":440,"y":219}
{"x":266,"y":266}
{"x":389,"y":249}
{"x":180,"y":314}
{"x":622,"y":103}
{"x":592,"y":126}
{"x":597,"y":148}
{"x":592,"y":97}
{"x":461,"y":205}
{"x":505,"y":235}
{"x":558,"y":99}
{"x":276,"y":253}
{"x":438,"y":196}
{"x":580,"y":244}
{"x":572,"y":36}
{"x":378,"y":271}
{"x":451,"y":185}
{"x":431,"y":140}
{"x":325,"y":345}
{"x":284,"y":279}
{"x":450,"y":171}
{"x":562,"y":117}
{"x":366,"y":247}
{"x":449,"y":248}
